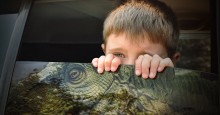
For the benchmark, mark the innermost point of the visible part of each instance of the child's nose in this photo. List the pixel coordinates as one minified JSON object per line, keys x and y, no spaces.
{"x":130,"y":62}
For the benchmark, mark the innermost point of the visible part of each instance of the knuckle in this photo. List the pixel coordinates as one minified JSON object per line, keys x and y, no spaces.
{"x":110,"y":55}
{"x":94,"y":60}
{"x":101,"y":61}
{"x":168,"y":59}
{"x":147,"y":56}
{"x":136,"y":62}
{"x":138,"y":67}
{"x":101,"y":57}
{"x":156,"y":57}
{"x":116,"y":61}
{"x":167,"y":62}
{"x":107,"y":62}
{"x":140,"y":56}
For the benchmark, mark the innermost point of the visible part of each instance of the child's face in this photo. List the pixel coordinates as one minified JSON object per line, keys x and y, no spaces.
{"x":128,"y":51}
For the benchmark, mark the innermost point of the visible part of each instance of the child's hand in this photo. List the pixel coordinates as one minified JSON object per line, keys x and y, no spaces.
{"x":107,"y":63}
{"x":148,"y":66}
{"x":145,"y":65}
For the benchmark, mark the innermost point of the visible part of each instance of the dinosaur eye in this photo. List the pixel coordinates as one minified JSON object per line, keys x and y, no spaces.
{"x":74,"y":74}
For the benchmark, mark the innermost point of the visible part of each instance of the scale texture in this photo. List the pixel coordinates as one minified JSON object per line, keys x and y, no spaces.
{"x":77,"y":88}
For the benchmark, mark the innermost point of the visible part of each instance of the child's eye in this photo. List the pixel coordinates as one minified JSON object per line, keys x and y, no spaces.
{"x":119,"y":55}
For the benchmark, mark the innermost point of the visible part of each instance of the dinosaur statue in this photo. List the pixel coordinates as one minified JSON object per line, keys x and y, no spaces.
{"x":77,"y":88}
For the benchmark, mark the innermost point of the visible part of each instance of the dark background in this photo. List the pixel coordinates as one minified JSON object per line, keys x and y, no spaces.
{"x":71,"y":30}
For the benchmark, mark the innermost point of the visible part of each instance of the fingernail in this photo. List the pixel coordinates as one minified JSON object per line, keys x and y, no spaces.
{"x":100,"y":70}
{"x":159,"y":69}
{"x":144,"y":75}
{"x":107,"y":69}
{"x":152,"y":75}
{"x":137,"y":72}
{"x":95,"y":64}
{"x":113,"y":69}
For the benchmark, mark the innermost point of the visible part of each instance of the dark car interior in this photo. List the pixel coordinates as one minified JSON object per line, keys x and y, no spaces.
{"x":71,"y":31}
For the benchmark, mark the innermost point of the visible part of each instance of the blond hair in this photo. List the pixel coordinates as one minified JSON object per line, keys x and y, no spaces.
{"x":141,"y":18}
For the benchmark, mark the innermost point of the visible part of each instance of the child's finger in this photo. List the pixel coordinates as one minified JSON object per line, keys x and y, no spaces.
{"x":101,"y":64}
{"x":146,"y":65}
{"x":138,"y":65}
{"x":115,"y":63}
{"x":167,"y":62}
{"x":95,"y":62}
{"x":155,"y":61}
{"x":108,"y":61}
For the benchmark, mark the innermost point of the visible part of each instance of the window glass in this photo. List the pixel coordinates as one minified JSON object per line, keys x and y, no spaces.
{"x":71,"y":30}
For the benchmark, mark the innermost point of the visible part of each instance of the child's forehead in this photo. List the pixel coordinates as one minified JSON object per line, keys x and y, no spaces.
{"x":135,"y":39}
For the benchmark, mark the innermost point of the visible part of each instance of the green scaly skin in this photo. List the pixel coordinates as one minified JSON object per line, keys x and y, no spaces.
{"x":76,"y":88}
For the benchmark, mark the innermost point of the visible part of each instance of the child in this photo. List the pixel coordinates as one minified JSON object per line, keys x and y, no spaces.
{"x":143,"y":34}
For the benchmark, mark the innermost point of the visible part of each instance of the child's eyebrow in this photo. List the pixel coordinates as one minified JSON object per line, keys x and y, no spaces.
{"x":117,"y":49}
{"x":143,"y":53}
